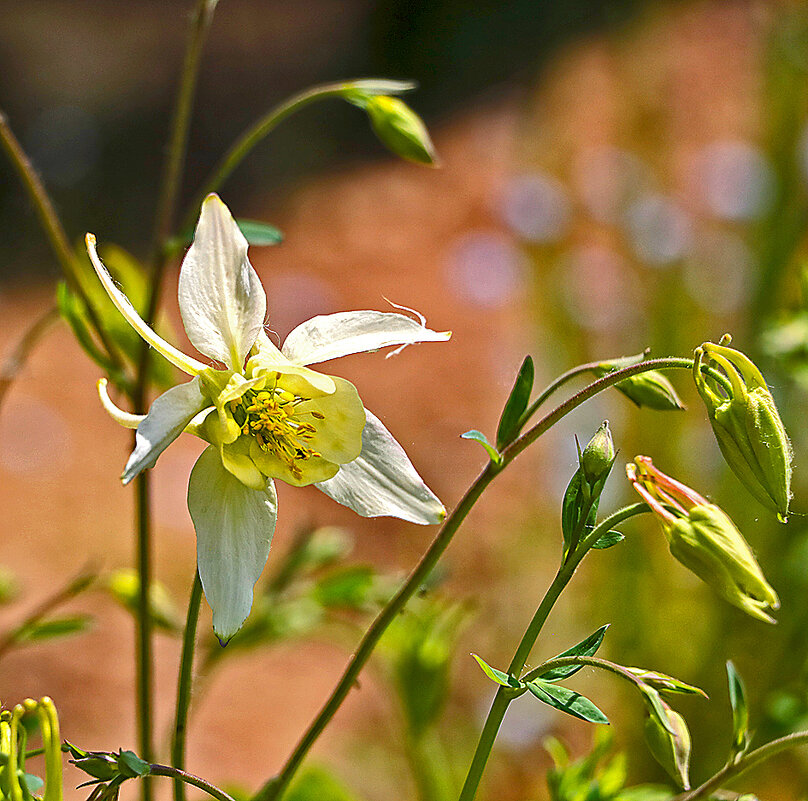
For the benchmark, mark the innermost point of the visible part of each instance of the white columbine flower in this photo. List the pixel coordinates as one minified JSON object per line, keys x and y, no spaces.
{"x":266,"y":415}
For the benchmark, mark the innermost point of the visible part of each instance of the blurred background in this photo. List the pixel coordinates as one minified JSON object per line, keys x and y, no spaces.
{"x":615,"y":175}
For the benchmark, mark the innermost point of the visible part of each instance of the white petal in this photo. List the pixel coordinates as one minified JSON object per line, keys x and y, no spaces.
{"x":382,"y":481}
{"x":179,"y":359}
{"x":234,"y":527}
{"x":222,"y":301}
{"x":329,"y":336}
{"x":167,"y":417}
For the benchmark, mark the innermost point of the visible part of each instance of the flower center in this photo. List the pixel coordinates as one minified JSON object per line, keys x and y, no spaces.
{"x":272,"y":419}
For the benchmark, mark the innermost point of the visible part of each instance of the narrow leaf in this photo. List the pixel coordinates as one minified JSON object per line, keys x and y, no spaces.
{"x":259,"y":233}
{"x":509,"y":423}
{"x":740,"y":711}
{"x":665,"y":683}
{"x":132,"y":763}
{"x":381,"y":86}
{"x":497,"y":675}
{"x":566,"y":700}
{"x":609,"y":539}
{"x":55,"y":627}
{"x":478,"y":436}
{"x":587,"y":647}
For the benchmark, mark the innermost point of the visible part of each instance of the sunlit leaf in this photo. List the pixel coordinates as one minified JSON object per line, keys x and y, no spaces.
{"x":497,"y":675}
{"x":509,"y":422}
{"x":566,"y":700}
{"x":587,"y":647}
{"x":478,"y":436}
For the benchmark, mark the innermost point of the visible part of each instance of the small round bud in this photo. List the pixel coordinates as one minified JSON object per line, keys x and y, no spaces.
{"x":669,"y":742}
{"x":598,"y":456}
{"x":400,"y":129}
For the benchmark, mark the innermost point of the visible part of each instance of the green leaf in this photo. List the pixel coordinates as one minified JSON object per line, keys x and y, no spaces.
{"x":566,"y":700}
{"x":509,"y":423}
{"x":497,"y":675}
{"x":259,"y":233}
{"x":665,"y":683}
{"x":318,"y":784}
{"x":587,"y":647}
{"x":572,"y":507}
{"x":32,"y":783}
{"x":380,"y":86}
{"x":609,"y":539}
{"x":132,"y":765}
{"x":740,"y":710}
{"x":478,"y":436}
{"x":54,"y":627}
{"x":656,"y":706}
{"x":349,"y":587}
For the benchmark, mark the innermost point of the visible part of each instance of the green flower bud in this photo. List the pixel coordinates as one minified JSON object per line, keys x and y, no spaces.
{"x":747,"y":426}
{"x":669,"y":742}
{"x":400,"y":129}
{"x":598,"y":456}
{"x":650,"y":388}
{"x":704,"y":539}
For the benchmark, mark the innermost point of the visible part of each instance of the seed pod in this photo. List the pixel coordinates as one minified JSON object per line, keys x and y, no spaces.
{"x":747,"y":426}
{"x":704,"y":539}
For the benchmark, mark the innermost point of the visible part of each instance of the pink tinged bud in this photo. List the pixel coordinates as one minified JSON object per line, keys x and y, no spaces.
{"x":704,"y":539}
{"x":668,"y":740}
{"x":747,"y":426}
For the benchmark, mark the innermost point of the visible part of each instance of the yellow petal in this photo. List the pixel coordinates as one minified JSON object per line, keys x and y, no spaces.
{"x":339,"y":434}
{"x":312,"y":470}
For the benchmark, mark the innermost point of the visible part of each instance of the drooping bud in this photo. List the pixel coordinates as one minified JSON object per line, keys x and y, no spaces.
{"x":399,"y":128}
{"x":747,"y":426}
{"x":650,"y":388}
{"x":668,"y":739}
{"x":597,"y":457}
{"x":704,"y":539}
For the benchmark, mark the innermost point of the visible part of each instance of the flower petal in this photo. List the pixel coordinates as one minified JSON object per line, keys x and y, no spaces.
{"x":329,"y":336}
{"x":222,"y":301}
{"x":167,"y":417}
{"x":179,"y":359}
{"x":234,"y":527}
{"x":382,"y":481}
{"x":338,"y":434}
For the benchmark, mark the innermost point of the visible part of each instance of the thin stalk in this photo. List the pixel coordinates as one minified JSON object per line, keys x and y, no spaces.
{"x":188,"y":778}
{"x":19,"y":356}
{"x":184,"y":686}
{"x":505,"y":695}
{"x":54,"y":231}
{"x":750,"y":760}
{"x":253,"y":135}
{"x":73,"y":588}
{"x":175,"y":160}
{"x":164,"y":217}
{"x":274,"y":788}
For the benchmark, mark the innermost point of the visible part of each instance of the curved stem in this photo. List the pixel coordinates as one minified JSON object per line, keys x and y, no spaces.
{"x":556,"y":385}
{"x":189,"y":778}
{"x":172,"y":171}
{"x":54,"y":230}
{"x":505,"y":695}
{"x":735,"y":769}
{"x":274,"y":787}
{"x":184,"y":686}
{"x":253,"y":135}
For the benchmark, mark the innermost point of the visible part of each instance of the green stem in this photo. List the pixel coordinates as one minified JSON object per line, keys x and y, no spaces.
{"x":505,"y":695}
{"x":54,"y":231}
{"x":184,"y":686}
{"x":144,"y":662}
{"x":274,"y":788}
{"x":172,"y":172}
{"x":253,"y":135}
{"x":189,"y":778}
{"x":750,"y":760}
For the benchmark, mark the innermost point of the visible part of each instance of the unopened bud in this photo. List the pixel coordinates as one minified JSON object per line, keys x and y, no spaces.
{"x":668,"y":740}
{"x":747,"y":426}
{"x":400,"y":129}
{"x":704,"y":539}
{"x":598,"y":456}
{"x":650,"y":388}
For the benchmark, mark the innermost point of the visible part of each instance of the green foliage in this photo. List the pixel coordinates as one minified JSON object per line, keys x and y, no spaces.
{"x":566,"y":700}
{"x":318,"y":784}
{"x":510,"y":423}
{"x":599,"y":776}
{"x":478,"y":436}
{"x":497,"y":676}
{"x":54,"y":627}
{"x":587,"y":647}
{"x":740,"y":712}
{"x":124,"y":586}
